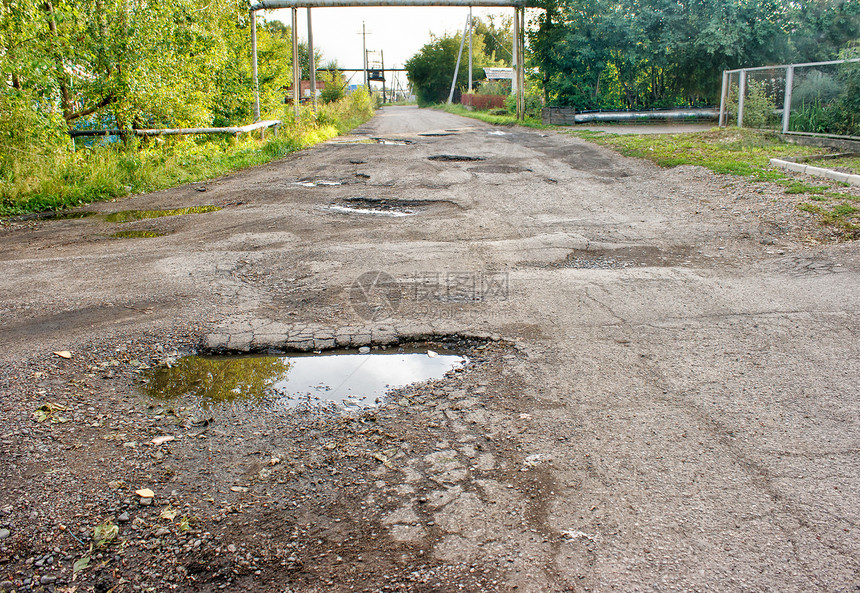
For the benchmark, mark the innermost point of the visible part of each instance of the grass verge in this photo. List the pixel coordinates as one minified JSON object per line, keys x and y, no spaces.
{"x":59,"y":178}
{"x":499,"y":120}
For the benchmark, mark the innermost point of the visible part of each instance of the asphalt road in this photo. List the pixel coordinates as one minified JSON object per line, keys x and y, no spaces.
{"x":683,"y":366}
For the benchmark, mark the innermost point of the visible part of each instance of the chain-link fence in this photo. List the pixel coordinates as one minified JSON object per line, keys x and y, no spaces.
{"x":820,"y":98}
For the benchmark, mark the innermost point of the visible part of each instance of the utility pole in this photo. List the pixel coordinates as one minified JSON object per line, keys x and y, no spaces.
{"x":382,"y":61}
{"x":470,"y":49}
{"x":364,"y":50}
{"x":312,"y":62}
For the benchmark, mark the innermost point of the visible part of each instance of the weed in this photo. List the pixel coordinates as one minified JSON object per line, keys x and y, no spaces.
{"x":798,"y":187}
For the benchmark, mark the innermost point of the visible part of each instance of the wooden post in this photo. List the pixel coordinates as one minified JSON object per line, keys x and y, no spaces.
{"x":786,"y":109}
{"x":296,"y":70}
{"x":254,"y":66}
{"x":312,"y":62}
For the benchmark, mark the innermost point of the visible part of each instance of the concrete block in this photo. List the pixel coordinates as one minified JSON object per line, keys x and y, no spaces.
{"x":853,"y":179}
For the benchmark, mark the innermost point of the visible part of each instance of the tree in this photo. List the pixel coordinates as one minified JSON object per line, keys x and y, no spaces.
{"x":431,"y":70}
{"x":662,"y":53}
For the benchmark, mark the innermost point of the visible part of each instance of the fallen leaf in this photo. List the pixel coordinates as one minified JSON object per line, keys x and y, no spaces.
{"x":81,"y":564}
{"x":50,"y":412}
{"x":168,"y":513}
{"x":63,"y":354}
{"x":163,"y":439}
{"x":383,"y":459}
{"x":145,"y":493}
{"x":105,"y":533}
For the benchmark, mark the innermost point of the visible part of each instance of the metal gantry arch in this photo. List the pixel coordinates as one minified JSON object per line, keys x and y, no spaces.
{"x":519,"y":28}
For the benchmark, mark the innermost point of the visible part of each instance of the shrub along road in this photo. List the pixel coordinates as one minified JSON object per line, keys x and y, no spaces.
{"x":663,"y":394}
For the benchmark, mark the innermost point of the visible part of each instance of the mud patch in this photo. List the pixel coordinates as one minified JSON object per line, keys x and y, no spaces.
{"x":455,"y":158}
{"x":346,"y":380}
{"x":503,"y":169}
{"x":131,"y":215}
{"x":64,"y":215}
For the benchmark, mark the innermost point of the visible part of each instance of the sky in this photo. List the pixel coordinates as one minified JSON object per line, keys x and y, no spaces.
{"x":399,"y":32}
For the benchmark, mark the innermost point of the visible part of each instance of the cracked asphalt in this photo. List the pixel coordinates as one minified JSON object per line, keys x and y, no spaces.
{"x":664,"y":395}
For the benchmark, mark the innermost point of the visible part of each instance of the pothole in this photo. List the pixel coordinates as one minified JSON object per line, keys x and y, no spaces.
{"x":505,"y":169}
{"x":318,"y":182}
{"x":378,"y":206}
{"x":392,"y":141}
{"x":624,"y":257}
{"x":436,"y":134}
{"x":130,"y":215}
{"x":339,"y":380}
{"x":455,"y":158}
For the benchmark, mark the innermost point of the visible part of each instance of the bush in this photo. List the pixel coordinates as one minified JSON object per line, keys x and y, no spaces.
{"x":759,"y":109}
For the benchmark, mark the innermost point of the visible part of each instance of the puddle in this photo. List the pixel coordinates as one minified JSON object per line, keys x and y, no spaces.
{"x":321,"y":182}
{"x":343,"y":380}
{"x":392,"y":142}
{"x":130,"y":215}
{"x":497,"y":133}
{"x":137,"y":234}
{"x":63,"y":215}
{"x":377,"y":206}
{"x":454,"y":158}
{"x":434,"y":134}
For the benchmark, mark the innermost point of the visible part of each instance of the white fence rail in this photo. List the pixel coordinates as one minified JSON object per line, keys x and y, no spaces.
{"x":812,"y":99}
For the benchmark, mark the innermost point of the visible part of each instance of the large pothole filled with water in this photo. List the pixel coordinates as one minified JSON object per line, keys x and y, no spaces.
{"x":345,"y":380}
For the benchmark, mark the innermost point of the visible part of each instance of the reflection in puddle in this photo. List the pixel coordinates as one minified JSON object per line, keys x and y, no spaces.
{"x":353,"y":210}
{"x":322,"y":182}
{"x":351,"y":381}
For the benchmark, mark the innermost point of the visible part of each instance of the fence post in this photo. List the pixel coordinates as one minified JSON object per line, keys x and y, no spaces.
{"x":786,"y":109}
{"x":723,"y":95}
{"x":742,"y":91}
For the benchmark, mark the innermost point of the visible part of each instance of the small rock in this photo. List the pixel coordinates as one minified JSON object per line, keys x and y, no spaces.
{"x":161,"y":532}
{"x":7,"y":585}
{"x":145,"y":501}
{"x":47,"y":580}
{"x":768,"y":241}
{"x":231,"y":548}
{"x":4,"y":533}
{"x":123,"y":518}
{"x":364,"y":350}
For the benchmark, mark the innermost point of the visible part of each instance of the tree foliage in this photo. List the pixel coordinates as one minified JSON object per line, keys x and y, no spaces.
{"x":431,"y":70}
{"x":662,"y":53}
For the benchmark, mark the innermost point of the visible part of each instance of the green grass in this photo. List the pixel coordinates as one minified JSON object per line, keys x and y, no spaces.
{"x":499,"y":120}
{"x":849,"y":164}
{"x":729,"y":151}
{"x":58,"y":178}
{"x":132,"y":215}
{"x":798,"y":187}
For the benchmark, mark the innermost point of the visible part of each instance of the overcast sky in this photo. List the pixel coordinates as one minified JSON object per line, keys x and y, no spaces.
{"x":399,"y":32}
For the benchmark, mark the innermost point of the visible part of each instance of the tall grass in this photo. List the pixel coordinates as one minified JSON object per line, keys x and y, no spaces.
{"x":52,"y":178}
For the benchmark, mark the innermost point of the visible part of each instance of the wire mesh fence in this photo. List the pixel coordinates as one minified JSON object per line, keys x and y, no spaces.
{"x":820,"y":98}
